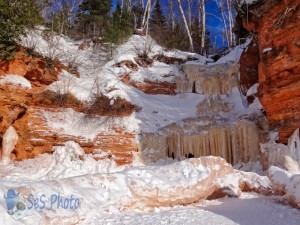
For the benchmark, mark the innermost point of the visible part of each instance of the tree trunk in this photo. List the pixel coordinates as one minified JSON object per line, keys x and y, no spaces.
{"x":186,"y":26}
{"x":148,"y":17}
{"x":189,"y":13}
{"x":202,"y":15}
{"x":219,"y":4}
{"x":171,"y":14}
{"x":231,"y":22}
{"x":148,"y":5}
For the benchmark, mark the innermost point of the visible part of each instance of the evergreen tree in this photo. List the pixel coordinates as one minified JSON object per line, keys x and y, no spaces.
{"x":95,"y":16}
{"x":158,"y":24}
{"x":158,"y":17}
{"x":120,"y":26}
{"x":15,"y":17}
{"x":196,"y":30}
{"x":177,"y":38}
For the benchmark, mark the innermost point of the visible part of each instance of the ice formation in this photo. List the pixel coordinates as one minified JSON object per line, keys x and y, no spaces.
{"x":286,"y":157}
{"x":210,"y":80}
{"x":217,"y":130}
{"x":10,"y":139}
{"x":235,"y":143}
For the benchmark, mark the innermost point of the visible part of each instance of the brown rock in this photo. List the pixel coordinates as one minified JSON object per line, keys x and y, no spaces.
{"x":276,"y":24}
{"x":152,"y":87}
{"x":249,"y":67}
{"x":129,"y":64}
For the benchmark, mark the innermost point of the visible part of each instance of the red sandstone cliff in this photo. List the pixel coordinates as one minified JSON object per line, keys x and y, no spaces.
{"x":23,"y":109}
{"x":275,"y":27}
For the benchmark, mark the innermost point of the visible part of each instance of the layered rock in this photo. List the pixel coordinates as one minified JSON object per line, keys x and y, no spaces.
{"x":275,"y":26}
{"x":152,"y":87}
{"x":24,"y":109}
{"x":39,"y":70}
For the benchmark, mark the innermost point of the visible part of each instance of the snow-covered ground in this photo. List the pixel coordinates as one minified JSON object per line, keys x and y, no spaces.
{"x":249,"y":209}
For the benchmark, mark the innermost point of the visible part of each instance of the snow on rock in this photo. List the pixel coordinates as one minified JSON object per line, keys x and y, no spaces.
{"x":9,"y":141}
{"x":252,"y":90}
{"x":194,"y":179}
{"x":142,"y":188}
{"x":235,"y":54}
{"x":248,"y":2}
{"x":70,"y":160}
{"x":70,"y":122}
{"x":280,"y":155}
{"x":286,"y":184}
{"x":15,"y":80}
{"x":101,"y":187}
{"x":235,"y":183}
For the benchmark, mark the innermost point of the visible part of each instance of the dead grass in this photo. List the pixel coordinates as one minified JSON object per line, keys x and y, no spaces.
{"x":52,"y":99}
{"x":102,"y":105}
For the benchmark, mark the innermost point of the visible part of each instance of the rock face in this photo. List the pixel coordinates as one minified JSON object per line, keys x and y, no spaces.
{"x":249,"y":66}
{"x":275,"y":25}
{"x":24,"y":109}
{"x":39,"y":70}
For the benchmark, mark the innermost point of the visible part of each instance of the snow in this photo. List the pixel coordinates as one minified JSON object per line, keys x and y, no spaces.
{"x":290,"y":182}
{"x":250,"y":209}
{"x":15,"y":80}
{"x":267,"y":50}
{"x":283,"y":156}
{"x":235,"y":54}
{"x":103,"y":189}
{"x":249,"y":2}
{"x":94,"y":79}
{"x":252,"y":90}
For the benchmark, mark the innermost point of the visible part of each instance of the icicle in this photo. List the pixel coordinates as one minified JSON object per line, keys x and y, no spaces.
{"x":10,"y":139}
{"x":209,"y":80}
{"x":235,"y":143}
{"x":294,"y":145}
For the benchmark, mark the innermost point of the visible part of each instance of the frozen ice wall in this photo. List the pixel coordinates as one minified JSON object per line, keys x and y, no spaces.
{"x":237,"y":142}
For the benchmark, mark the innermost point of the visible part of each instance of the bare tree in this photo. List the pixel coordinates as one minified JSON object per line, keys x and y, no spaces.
{"x":202,"y":25}
{"x":186,"y":26}
{"x":231,"y":22}
{"x":227,"y":11}
{"x":171,"y":15}
{"x":189,"y":12}
{"x":65,"y":11}
{"x":146,"y":13}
